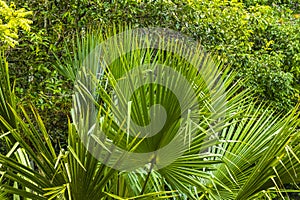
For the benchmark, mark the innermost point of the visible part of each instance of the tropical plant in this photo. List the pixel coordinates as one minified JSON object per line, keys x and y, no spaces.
{"x":2,"y":196}
{"x":253,"y":154}
{"x":7,"y":100}
{"x":259,"y":38}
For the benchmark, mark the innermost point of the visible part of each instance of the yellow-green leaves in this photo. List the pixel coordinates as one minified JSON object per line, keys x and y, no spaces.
{"x":11,"y":20}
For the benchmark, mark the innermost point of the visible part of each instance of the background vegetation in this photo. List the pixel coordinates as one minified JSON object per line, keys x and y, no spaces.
{"x":260,"y":39}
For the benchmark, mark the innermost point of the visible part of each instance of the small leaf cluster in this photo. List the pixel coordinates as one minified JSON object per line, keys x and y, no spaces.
{"x":11,"y":20}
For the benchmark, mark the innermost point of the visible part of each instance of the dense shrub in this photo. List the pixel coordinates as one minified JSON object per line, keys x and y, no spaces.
{"x":11,"y":20}
{"x":260,"y":39}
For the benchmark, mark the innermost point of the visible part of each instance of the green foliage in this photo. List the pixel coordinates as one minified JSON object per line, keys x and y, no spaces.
{"x":255,"y":37}
{"x":260,"y":42}
{"x":7,"y":97}
{"x":8,"y":100}
{"x":3,"y":195}
{"x":11,"y":20}
{"x":260,"y":39}
{"x":257,"y":153}
{"x":291,"y":4}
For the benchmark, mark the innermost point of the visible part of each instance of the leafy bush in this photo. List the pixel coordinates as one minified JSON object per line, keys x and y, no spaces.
{"x":260,"y":42}
{"x":291,"y":4}
{"x":11,"y":21}
{"x":259,"y":39}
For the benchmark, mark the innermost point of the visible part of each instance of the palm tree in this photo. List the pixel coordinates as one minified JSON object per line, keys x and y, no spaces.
{"x":207,"y":140}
